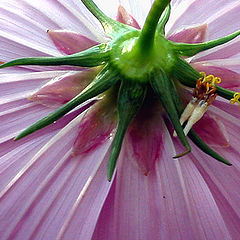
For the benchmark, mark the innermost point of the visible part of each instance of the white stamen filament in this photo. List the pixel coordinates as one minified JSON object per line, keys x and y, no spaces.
{"x":197,"y":114}
{"x":187,"y":113}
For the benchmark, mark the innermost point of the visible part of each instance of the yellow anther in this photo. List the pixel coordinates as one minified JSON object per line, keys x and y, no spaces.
{"x":236,"y":98}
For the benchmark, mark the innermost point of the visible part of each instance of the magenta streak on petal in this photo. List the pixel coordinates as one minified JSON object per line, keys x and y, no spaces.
{"x":211,"y":129}
{"x":124,"y":17}
{"x":145,"y":139}
{"x":230,"y":79}
{"x":95,"y":127}
{"x":190,"y":35}
{"x":63,"y":88}
{"x":68,"y":42}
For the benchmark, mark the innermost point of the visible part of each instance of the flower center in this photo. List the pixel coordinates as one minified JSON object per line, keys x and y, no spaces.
{"x":135,"y":64}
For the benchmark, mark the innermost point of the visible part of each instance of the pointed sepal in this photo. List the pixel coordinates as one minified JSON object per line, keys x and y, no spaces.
{"x":163,"y":20}
{"x":91,"y":57}
{"x":130,"y":99}
{"x":205,"y":148}
{"x":189,"y":50}
{"x":111,"y":27}
{"x":103,"y":81}
{"x":162,"y":86}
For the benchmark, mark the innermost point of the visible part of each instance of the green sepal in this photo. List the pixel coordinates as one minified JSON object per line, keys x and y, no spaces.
{"x":185,"y":73}
{"x":163,"y":20}
{"x":162,"y":86}
{"x":103,"y":81}
{"x":189,"y":50}
{"x":205,"y":148}
{"x":91,"y":57}
{"x":111,"y":27}
{"x":192,"y":134}
{"x":188,"y":76}
{"x":225,"y":93}
{"x":130,"y":99}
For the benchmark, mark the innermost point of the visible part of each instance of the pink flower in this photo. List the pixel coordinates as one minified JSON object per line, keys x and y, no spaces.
{"x":53,"y":183}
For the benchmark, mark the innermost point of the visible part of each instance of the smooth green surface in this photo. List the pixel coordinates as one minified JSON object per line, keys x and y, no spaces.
{"x":130,"y":99}
{"x":91,"y":57}
{"x":161,"y":85}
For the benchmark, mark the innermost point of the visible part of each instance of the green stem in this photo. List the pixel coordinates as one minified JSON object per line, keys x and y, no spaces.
{"x":146,"y":39}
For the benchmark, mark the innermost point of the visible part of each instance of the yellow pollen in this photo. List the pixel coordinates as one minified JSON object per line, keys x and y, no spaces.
{"x":236,"y":98}
{"x":210,"y":81}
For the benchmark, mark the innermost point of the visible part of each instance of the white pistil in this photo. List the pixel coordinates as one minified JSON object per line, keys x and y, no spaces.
{"x":197,"y":114}
{"x":187,"y":112}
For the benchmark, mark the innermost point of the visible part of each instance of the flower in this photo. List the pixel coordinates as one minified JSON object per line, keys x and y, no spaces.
{"x":49,"y":190}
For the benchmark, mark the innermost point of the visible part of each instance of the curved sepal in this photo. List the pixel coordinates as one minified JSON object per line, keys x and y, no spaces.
{"x":91,"y":57}
{"x":103,"y":81}
{"x":162,"y":86}
{"x":188,"y":76}
{"x":205,"y":148}
{"x":163,"y":20}
{"x":189,"y":50}
{"x":111,"y":27}
{"x":192,"y":134}
{"x":225,"y":93}
{"x":185,"y":73}
{"x":130,"y":99}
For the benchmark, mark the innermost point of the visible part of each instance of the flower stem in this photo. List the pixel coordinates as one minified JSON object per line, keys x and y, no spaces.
{"x":146,"y":39}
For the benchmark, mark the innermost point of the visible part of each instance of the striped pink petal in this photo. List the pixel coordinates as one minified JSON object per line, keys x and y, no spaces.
{"x":68,"y":42}
{"x":196,"y":34}
{"x":63,"y":88}
{"x":95,"y":127}
{"x":124,"y":17}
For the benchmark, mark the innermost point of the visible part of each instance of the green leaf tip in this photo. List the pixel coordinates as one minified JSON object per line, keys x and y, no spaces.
{"x":103,"y":81}
{"x":111,"y":27}
{"x":189,"y":50}
{"x":130,"y":99}
{"x":91,"y":57}
{"x":163,"y":20}
{"x":205,"y":148}
{"x":163,"y":88}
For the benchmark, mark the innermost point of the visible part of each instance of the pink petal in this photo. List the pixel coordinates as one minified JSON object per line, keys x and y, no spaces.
{"x":37,"y":200}
{"x":95,"y":127}
{"x":124,"y":17}
{"x":223,"y":13}
{"x":146,"y":143}
{"x":146,"y":207}
{"x":190,"y":35}
{"x":63,"y":88}
{"x":84,"y":213}
{"x":211,"y":129}
{"x":222,"y":52}
{"x":68,"y":42}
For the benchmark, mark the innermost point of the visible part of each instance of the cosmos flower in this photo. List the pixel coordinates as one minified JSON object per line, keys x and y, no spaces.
{"x":54,"y":181}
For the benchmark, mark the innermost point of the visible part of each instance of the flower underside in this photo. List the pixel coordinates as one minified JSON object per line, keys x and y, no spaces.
{"x":134,"y":62}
